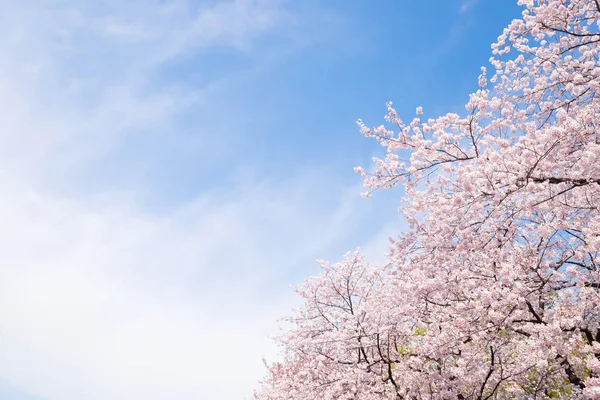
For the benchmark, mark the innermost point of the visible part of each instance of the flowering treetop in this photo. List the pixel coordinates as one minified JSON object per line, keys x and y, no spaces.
{"x":494,"y":292}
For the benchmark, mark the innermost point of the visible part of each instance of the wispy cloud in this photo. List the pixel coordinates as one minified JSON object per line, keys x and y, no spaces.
{"x":100,"y":297}
{"x":79,"y":78}
{"x":102,"y":302}
{"x":466,"y":5}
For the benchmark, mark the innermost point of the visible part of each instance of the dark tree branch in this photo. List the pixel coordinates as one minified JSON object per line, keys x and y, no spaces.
{"x":487,"y":377}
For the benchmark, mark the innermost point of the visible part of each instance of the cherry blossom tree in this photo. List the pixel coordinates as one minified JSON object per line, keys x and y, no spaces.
{"x":494,"y":291}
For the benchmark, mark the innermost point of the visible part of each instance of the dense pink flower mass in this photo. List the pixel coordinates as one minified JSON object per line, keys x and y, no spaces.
{"x":494,"y":292}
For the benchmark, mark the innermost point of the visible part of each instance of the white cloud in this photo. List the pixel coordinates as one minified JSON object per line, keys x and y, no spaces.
{"x":106,"y":301}
{"x":78,"y":78}
{"x":101,"y":298}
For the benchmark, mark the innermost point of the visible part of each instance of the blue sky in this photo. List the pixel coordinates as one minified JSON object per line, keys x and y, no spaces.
{"x":170,"y":167}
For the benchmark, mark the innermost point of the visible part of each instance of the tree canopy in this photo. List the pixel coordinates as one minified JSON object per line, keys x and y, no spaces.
{"x":494,"y":290}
